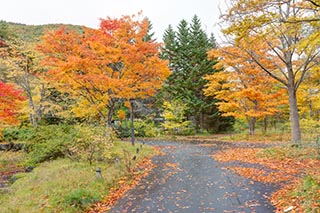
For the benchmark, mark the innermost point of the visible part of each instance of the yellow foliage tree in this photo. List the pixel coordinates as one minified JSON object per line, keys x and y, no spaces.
{"x":19,"y":65}
{"x":290,"y":32}
{"x":175,"y":120}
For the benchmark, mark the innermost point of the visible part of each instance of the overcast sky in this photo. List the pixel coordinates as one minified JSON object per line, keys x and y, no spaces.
{"x":82,"y":12}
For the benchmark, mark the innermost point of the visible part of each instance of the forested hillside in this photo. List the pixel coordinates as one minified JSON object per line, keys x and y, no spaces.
{"x":31,"y":33}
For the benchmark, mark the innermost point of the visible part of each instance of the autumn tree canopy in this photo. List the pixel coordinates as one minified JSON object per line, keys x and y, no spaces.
{"x":102,"y":66}
{"x":290,"y":32}
{"x":244,"y":91}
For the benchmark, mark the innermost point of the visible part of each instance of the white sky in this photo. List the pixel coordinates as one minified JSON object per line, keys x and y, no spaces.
{"x":81,"y":12}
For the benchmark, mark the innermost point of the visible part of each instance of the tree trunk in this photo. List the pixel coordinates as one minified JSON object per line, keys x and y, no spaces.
{"x":33,"y":119}
{"x":265,"y":124}
{"x":294,"y":117}
{"x":251,"y":122}
{"x":110,"y":111}
{"x":132,"y":123}
{"x":40,"y":109}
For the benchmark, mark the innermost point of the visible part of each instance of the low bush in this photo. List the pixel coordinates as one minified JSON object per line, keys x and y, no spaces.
{"x":91,"y":144}
{"x":309,"y":126}
{"x":49,"y":143}
{"x":77,"y":142}
{"x":142,"y":128}
{"x":17,"y":134}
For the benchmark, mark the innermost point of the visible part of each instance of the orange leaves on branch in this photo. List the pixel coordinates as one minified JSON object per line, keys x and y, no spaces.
{"x":242,"y":88}
{"x":10,"y":102}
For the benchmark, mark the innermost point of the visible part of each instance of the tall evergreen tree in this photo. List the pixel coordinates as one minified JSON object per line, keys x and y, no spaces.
{"x":150,"y":34}
{"x":186,"y":49}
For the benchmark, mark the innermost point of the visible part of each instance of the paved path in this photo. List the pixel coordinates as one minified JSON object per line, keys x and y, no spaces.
{"x":188,"y":179}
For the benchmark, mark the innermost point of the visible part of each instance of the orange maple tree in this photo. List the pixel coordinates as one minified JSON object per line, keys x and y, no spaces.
{"x":10,"y":102}
{"x":242,"y":89}
{"x":100,"y":67}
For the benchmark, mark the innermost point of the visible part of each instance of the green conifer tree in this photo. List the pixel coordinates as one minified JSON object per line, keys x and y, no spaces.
{"x":186,"y":49}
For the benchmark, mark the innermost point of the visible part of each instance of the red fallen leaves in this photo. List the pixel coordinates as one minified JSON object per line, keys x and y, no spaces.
{"x":123,"y":185}
{"x":283,"y":170}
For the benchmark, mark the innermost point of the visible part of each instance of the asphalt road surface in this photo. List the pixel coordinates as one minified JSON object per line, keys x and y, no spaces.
{"x":188,"y":179}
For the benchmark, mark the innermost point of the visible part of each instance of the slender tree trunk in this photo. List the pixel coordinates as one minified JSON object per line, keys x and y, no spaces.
{"x":110,"y":112}
{"x":265,"y":124}
{"x":132,"y":123}
{"x":41,"y":107}
{"x":252,"y":123}
{"x":27,"y":88}
{"x":294,"y":117}
{"x":33,"y":120}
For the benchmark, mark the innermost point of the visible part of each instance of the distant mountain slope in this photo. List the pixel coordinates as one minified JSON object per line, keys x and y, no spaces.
{"x":31,"y":33}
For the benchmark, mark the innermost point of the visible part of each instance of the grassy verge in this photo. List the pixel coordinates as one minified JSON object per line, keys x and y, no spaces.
{"x":68,"y":186}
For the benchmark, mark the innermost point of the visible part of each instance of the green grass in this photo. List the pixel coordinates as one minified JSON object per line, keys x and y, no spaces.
{"x":67,"y":186}
{"x":309,"y":193}
{"x":282,"y":152}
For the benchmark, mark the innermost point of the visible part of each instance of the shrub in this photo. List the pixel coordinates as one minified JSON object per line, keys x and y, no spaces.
{"x":49,"y":143}
{"x":175,"y":119}
{"x":142,"y":128}
{"x":91,"y":144}
{"x":17,"y":134}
